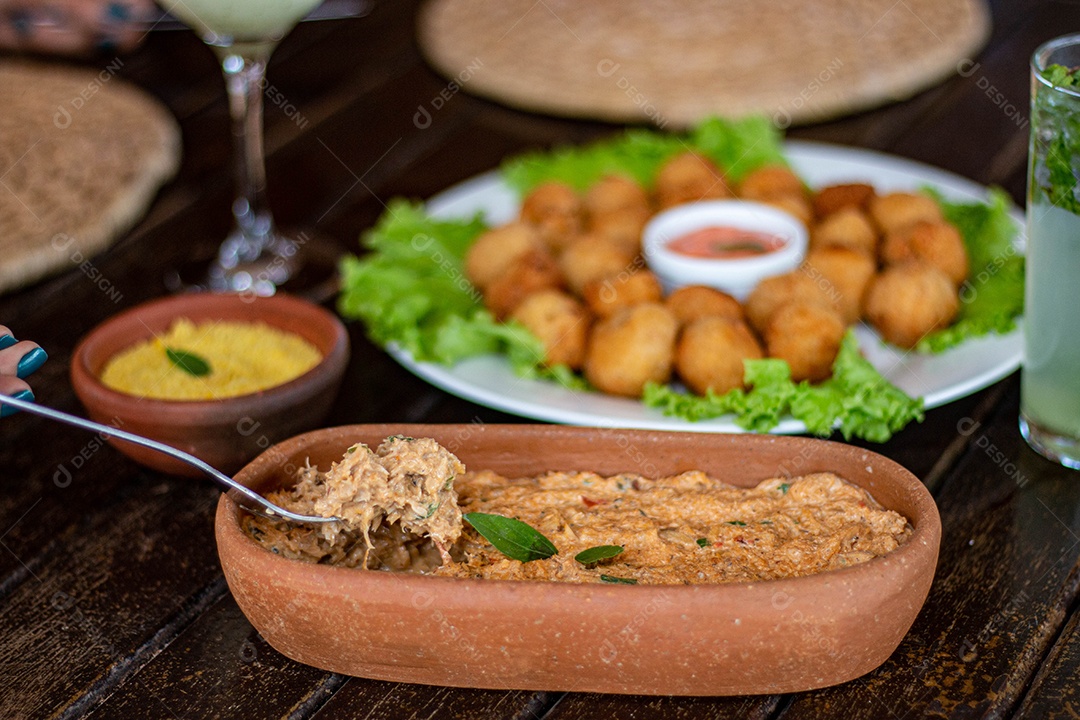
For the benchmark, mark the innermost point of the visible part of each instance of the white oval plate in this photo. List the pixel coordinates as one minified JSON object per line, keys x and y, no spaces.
{"x":939,"y":379}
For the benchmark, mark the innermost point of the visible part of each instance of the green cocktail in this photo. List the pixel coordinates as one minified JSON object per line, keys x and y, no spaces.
{"x":1050,"y":384}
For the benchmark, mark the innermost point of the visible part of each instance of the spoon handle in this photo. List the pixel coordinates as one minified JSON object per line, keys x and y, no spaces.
{"x":243,"y":496}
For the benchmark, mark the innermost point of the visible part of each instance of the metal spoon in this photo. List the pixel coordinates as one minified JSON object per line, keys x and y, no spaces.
{"x":242,"y":496}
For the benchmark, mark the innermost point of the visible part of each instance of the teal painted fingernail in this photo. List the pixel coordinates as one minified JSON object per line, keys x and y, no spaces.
{"x":7,"y":341}
{"x":24,"y":395}
{"x":117,"y":12}
{"x":31,"y":361}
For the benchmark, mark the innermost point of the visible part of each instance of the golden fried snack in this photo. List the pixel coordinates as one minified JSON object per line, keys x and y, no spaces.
{"x":834,"y":198}
{"x":623,"y":228}
{"x":630,"y":348}
{"x":770,"y":181}
{"x":773,"y":292}
{"x":614,"y":195}
{"x":793,"y":204}
{"x":850,"y":228}
{"x":697,"y":301}
{"x":556,"y":212}
{"x":529,"y":272}
{"x":711,"y":351}
{"x":560,"y":322}
{"x":848,"y":273}
{"x":607,"y":295}
{"x":905,"y":302}
{"x":934,"y":243}
{"x":689,"y":177}
{"x":893,"y":211}
{"x":807,"y":336}
{"x":492,"y":253}
{"x":593,"y":257}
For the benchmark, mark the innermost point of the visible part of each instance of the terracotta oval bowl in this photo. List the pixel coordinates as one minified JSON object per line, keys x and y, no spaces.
{"x":225,"y":433}
{"x":777,"y":636}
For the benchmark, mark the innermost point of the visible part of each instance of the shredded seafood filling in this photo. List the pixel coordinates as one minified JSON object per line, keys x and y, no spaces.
{"x":401,"y":509}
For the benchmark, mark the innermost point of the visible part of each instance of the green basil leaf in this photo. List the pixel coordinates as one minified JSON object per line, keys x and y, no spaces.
{"x":618,"y":580}
{"x":513,"y":538}
{"x":594,"y":555}
{"x":703,"y":542}
{"x":189,"y":362}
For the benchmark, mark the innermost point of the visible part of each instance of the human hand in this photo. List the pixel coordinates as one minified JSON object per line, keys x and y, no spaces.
{"x":73,"y":27}
{"x":17,"y":361}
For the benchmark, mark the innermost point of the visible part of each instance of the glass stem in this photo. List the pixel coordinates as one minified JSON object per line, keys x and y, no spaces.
{"x":245,"y":79}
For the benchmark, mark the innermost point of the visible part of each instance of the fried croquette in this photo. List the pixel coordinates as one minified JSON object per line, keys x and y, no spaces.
{"x":807,"y":336}
{"x":489,"y":257}
{"x":905,"y":302}
{"x":893,"y":211}
{"x":623,"y":228}
{"x":710,"y":354}
{"x":934,"y":243}
{"x":607,"y":295}
{"x":593,"y":257}
{"x":529,"y":272}
{"x":556,"y":212}
{"x":615,"y":194}
{"x":849,"y":227}
{"x":689,"y":177}
{"x":773,"y":292}
{"x":795,"y":205}
{"x":770,"y":181}
{"x":560,"y":322}
{"x":691,"y":302}
{"x":632,"y":347}
{"x":834,"y":198}
{"x":848,"y":273}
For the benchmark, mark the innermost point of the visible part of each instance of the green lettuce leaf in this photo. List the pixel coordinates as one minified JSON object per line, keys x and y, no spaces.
{"x":857,"y":399}
{"x":737,"y":146}
{"x":993,"y":296}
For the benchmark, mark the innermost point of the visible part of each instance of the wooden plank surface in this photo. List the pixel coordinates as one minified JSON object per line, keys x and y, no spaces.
{"x":111,"y":596}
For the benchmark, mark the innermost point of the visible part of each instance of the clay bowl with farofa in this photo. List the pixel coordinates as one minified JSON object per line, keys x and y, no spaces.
{"x":772,"y":636}
{"x":226,"y":431}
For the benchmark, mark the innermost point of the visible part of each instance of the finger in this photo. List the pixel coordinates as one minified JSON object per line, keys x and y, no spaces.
{"x":21,"y":359}
{"x":15,"y":388}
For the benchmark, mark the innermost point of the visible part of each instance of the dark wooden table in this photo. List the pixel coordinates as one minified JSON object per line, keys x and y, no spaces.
{"x":112,"y":602}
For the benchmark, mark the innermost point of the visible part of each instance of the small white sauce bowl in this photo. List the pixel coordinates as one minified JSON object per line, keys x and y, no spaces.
{"x":736,"y":276}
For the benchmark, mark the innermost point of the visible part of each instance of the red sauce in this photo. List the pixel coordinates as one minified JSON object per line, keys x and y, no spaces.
{"x":726,"y":243}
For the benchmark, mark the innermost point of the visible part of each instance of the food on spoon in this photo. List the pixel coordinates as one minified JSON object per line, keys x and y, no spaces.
{"x":897,"y":210}
{"x":691,"y":302}
{"x":683,"y":529}
{"x":608,"y":295}
{"x":906,"y":302}
{"x":934,"y":243}
{"x":807,"y":336}
{"x":689,"y":177}
{"x":560,"y":322}
{"x":834,"y":198}
{"x":848,"y":274}
{"x":711,"y":351}
{"x":210,"y":361}
{"x":633,"y":347}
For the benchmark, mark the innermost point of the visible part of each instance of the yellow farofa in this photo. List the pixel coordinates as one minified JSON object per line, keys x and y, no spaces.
{"x":243,"y":357}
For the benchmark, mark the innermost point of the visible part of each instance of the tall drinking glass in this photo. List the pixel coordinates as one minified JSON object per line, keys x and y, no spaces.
{"x":1050,"y":382}
{"x":255,"y":256}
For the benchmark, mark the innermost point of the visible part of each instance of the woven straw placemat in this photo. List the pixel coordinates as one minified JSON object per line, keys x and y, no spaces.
{"x":81,"y":156}
{"x":673,"y":62}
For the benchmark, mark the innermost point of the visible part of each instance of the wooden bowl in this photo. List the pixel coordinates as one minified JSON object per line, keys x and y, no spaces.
{"x":776,"y":636}
{"x":225,"y":433}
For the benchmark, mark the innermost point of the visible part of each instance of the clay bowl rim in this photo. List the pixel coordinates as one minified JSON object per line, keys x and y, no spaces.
{"x":926,"y":527}
{"x":199,"y":306}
